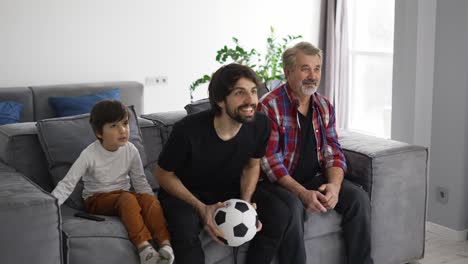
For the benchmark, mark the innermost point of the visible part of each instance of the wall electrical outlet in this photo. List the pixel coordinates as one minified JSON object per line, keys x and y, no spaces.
{"x":442,"y":194}
{"x":155,"y":80}
{"x":163,"y":80}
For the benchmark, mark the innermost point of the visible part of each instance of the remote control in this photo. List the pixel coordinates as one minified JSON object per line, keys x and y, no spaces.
{"x":89,"y":216}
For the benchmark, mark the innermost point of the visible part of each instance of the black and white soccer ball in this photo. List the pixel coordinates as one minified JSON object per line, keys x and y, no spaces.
{"x":237,"y":220}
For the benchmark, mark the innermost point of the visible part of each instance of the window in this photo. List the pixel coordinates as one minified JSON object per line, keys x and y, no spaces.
{"x":371,"y":64}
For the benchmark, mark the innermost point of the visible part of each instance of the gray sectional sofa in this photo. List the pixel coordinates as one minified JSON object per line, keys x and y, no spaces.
{"x":35,"y":230}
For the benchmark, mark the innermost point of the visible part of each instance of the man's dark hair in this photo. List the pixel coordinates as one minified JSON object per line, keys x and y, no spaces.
{"x":106,"y":111}
{"x":224,"y":79}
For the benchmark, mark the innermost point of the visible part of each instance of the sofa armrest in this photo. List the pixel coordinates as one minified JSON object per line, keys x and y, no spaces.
{"x":29,"y":221}
{"x":395,"y":176}
{"x":20,"y":149}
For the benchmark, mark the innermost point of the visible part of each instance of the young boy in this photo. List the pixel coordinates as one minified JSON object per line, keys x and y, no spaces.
{"x":107,"y":165}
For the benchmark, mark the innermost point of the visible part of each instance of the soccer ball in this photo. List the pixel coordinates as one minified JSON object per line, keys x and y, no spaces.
{"x":237,"y":220}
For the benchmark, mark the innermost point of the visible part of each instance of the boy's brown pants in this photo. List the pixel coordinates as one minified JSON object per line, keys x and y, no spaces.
{"x":141,"y":214}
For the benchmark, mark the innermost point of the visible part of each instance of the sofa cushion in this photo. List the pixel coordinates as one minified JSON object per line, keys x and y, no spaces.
{"x":198,"y":106}
{"x":10,"y":112}
{"x":204,"y":104}
{"x":87,"y":241}
{"x":64,"y":138}
{"x":77,"y":105}
{"x":131,"y":93}
{"x":165,"y":121}
{"x":5,"y":168}
{"x":152,"y":140}
{"x":21,"y":95}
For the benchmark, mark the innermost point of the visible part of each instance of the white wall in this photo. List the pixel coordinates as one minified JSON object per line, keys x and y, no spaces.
{"x":413,"y":70}
{"x":449,"y":119}
{"x":430,"y":94}
{"x":63,"y":41}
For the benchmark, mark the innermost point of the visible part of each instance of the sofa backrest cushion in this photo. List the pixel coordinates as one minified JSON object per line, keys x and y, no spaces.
{"x":22,"y":95}
{"x":165,"y":122}
{"x":63,"y":139}
{"x":82,"y":104}
{"x":10,"y":112}
{"x":131,"y":93}
{"x":204,"y":104}
{"x":198,"y":106}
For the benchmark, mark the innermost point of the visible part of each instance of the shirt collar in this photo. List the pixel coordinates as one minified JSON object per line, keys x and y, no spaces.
{"x":292,"y":98}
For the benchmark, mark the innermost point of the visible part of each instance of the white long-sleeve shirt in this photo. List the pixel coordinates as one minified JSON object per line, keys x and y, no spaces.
{"x":104,"y":171}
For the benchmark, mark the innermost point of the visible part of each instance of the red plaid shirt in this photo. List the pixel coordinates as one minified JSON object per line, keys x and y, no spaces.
{"x":284,"y":145}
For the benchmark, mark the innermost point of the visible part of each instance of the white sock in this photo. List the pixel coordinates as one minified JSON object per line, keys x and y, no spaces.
{"x":148,"y":255}
{"x":166,"y":255}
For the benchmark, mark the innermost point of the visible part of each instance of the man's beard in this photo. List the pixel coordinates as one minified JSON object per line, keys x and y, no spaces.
{"x":309,"y":87}
{"x":237,"y":116}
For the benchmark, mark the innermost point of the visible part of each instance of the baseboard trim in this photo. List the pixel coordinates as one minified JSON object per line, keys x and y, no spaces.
{"x":446,"y":232}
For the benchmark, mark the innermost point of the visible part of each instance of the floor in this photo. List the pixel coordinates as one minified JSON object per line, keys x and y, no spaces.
{"x":439,"y":250}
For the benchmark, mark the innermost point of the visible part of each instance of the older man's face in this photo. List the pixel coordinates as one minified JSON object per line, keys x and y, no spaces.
{"x":304,"y":77}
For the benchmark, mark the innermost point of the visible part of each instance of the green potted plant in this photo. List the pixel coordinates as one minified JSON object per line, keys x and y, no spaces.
{"x":269,"y":67}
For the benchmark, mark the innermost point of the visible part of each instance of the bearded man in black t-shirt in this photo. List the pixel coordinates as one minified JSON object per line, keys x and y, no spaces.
{"x":212,"y":156}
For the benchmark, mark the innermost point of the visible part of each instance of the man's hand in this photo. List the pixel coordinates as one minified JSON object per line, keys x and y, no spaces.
{"x":313,"y":201}
{"x":254,"y":205}
{"x":206,"y":214}
{"x":331,"y":192}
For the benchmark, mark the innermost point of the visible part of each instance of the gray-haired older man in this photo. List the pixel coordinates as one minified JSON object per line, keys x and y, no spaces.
{"x":304,"y":161}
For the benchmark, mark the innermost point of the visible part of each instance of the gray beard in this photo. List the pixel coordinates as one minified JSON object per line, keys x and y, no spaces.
{"x":308,"y":91}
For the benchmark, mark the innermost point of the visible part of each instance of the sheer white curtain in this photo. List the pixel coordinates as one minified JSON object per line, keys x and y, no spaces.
{"x":334,"y":43}
{"x":371,"y":26}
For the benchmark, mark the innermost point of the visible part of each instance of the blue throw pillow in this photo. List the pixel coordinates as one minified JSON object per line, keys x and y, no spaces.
{"x":10,"y":112}
{"x":77,"y":105}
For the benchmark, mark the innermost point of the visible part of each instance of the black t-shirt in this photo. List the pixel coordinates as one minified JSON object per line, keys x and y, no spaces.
{"x":206,"y":163}
{"x":307,"y":164}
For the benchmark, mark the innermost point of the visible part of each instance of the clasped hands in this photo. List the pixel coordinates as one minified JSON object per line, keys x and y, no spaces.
{"x":321,"y":200}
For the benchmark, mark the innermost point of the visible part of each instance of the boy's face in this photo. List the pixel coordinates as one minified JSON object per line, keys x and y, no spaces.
{"x":114,"y":135}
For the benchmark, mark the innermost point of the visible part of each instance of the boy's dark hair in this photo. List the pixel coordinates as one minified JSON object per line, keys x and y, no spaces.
{"x":106,"y":111}
{"x":224,"y":79}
